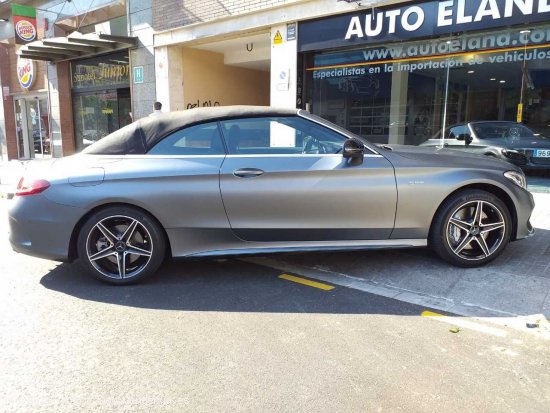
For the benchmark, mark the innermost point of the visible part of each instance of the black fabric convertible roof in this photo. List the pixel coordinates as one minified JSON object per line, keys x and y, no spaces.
{"x":140,"y":136}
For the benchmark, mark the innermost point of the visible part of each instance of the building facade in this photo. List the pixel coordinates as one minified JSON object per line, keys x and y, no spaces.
{"x":390,"y":71}
{"x":79,"y":64}
{"x":403,"y":73}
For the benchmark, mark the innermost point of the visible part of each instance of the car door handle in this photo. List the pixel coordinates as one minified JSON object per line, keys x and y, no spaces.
{"x":247,"y":172}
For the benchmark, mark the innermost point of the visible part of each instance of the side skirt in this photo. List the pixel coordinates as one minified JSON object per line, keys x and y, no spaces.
{"x":315,"y":246}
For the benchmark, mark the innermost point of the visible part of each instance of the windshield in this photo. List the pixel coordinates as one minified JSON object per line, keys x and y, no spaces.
{"x":498,"y":130}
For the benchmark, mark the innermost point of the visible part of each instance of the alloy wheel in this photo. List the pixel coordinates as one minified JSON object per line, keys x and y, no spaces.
{"x":475,"y":230}
{"x":119,"y":247}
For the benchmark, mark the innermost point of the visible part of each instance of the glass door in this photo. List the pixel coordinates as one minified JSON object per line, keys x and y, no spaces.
{"x":32,"y":127}
{"x":23,"y":141}
{"x":95,"y":116}
{"x":37,"y":122}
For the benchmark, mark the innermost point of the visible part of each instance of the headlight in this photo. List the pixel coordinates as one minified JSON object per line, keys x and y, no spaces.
{"x":516,"y":177}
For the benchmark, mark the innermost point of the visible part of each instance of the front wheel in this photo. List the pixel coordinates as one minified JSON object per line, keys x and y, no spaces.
{"x":121,"y":245}
{"x":471,"y":228}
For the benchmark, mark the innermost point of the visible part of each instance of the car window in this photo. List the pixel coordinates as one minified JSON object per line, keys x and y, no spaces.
{"x":201,"y":139}
{"x":455,"y":131}
{"x":452,"y":132}
{"x":280,"y":135}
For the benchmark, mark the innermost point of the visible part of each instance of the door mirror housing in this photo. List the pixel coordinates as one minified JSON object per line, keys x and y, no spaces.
{"x":353,"y":149}
{"x":466,"y":137}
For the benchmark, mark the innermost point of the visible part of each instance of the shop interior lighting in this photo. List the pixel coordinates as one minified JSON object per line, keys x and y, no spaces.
{"x":493,"y":78}
{"x":4,"y":20}
{"x":471,"y":71}
{"x":503,"y":81}
{"x":525,"y":31}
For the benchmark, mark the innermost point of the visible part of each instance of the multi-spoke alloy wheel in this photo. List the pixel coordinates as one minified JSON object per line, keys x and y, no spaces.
{"x":471,"y":228}
{"x":475,"y":230}
{"x":121,"y":245}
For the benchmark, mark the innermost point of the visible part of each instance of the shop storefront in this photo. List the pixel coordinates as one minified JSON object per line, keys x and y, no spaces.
{"x":31,"y":110}
{"x":404,"y":74}
{"x":101,"y":96}
{"x":31,"y":126}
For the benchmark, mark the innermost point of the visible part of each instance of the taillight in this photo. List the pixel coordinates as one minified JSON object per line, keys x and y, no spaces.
{"x":31,"y":186}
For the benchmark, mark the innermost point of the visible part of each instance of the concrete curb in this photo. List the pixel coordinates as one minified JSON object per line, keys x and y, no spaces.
{"x":487,"y":315}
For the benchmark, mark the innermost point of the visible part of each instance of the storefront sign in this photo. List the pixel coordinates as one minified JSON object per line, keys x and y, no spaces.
{"x":25,"y":72}
{"x":138,"y":74}
{"x":418,"y":20}
{"x":108,"y":70}
{"x":24,"y":23}
{"x":291,"y":31}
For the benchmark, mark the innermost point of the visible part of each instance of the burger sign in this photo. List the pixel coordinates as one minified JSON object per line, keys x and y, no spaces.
{"x":24,"y":23}
{"x":25,"y":72}
{"x":25,"y":30}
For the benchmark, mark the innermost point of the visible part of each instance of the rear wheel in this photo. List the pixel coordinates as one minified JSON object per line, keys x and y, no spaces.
{"x":471,"y":228}
{"x":121,"y":245}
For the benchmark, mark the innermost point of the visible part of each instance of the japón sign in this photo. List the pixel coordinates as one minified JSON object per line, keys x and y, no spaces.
{"x":432,"y":18}
{"x":24,"y":24}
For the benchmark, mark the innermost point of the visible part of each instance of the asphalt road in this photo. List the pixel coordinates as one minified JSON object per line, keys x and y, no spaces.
{"x":231,"y":336}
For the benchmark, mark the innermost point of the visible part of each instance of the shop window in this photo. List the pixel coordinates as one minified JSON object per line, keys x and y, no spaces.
{"x":408,"y":92}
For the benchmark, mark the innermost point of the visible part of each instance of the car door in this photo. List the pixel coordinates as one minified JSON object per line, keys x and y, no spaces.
{"x":177,"y":181}
{"x":285,"y":179}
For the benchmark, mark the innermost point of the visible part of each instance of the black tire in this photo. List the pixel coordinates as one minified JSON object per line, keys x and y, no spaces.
{"x":465,"y":237}
{"x":121,"y":245}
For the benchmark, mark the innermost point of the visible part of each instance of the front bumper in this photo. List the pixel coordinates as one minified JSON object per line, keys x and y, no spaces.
{"x":42,"y":228}
{"x":525,"y":203}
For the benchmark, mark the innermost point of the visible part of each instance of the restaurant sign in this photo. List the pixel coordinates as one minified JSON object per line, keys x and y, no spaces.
{"x":25,"y":72}
{"x":24,"y":23}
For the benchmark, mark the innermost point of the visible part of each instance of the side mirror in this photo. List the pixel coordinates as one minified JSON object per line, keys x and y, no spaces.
{"x":466,"y":137}
{"x":353,"y":149}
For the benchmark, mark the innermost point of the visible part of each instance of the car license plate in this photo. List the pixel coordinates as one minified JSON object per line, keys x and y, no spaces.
{"x":542,"y":153}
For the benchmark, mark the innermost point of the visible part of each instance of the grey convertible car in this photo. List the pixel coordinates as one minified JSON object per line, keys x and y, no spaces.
{"x":248,"y":180}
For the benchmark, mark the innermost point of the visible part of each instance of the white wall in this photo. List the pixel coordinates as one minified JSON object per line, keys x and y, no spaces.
{"x":283,"y":69}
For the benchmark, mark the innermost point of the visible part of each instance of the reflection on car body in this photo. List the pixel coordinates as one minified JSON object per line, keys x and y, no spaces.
{"x":509,"y":141}
{"x":248,"y":180}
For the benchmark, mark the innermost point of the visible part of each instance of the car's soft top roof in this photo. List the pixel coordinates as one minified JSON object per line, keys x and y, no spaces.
{"x":140,"y":136}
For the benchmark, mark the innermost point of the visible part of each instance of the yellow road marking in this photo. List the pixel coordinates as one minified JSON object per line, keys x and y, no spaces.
{"x":304,"y":281}
{"x":464,"y":323}
{"x":431,"y":314}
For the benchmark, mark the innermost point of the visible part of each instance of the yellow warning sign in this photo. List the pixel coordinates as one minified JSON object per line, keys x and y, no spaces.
{"x":278,"y":39}
{"x":520,"y":113}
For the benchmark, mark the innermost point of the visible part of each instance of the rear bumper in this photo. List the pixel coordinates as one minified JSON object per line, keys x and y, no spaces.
{"x":42,"y":228}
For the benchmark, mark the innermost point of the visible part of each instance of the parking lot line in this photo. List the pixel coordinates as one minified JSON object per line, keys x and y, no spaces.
{"x":307,"y":282}
{"x":464,"y":323}
{"x":431,"y":314}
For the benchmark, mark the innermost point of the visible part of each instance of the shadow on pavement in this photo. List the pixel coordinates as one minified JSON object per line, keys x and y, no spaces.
{"x":229,"y":286}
